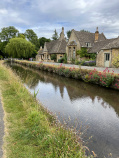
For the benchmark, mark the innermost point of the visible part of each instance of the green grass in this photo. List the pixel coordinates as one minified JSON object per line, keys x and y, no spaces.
{"x":30,"y":131}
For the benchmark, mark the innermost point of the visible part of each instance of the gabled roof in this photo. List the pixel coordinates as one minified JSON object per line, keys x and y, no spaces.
{"x":113,"y":44}
{"x":84,"y":37}
{"x":40,"y":51}
{"x":56,"y":46}
{"x":97,"y":46}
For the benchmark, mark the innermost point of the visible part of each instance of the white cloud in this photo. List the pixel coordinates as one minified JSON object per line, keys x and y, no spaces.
{"x":44,"y":16}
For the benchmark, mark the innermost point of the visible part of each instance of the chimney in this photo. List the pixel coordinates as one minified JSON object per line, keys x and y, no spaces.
{"x":96,"y":35}
{"x":62,"y":34}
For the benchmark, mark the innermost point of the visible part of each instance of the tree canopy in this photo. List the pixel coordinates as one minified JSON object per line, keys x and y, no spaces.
{"x":32,"y":37}
{"x":42,"y":41}
{"x":55,"y":35}
{"x":8,"y":32}
{"x":19,"y":48}
{"x":68,"y":34}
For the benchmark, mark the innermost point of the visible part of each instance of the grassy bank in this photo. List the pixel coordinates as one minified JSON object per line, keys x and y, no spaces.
{"x":105,"y":78}
{"x":30,"y":131}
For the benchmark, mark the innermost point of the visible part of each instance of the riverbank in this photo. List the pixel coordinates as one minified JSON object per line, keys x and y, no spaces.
{"x":106,"y":78}
{"x":30,"y":130}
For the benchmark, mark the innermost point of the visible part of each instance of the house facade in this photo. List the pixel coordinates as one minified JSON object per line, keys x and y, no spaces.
{"x":81,"y":39}
{"x":55,"y":47}
{"x":108,"y":53}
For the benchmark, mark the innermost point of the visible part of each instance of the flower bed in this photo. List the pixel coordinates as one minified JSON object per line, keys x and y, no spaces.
{"x":105,"y":78}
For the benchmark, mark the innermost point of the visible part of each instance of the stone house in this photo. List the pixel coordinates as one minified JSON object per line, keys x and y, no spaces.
{"x":107,"y":53}
{"x":81,"y":39}
{"x":57,"y":47}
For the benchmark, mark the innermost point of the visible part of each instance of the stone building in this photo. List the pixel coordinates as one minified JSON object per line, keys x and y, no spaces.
{"x":57,"y":47}
{"x":107,"y":53}
{"x":81,"y":39}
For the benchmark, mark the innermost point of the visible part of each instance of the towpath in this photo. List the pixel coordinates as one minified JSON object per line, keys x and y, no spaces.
{"x":116,"y":70}
{"x":1,"y":128}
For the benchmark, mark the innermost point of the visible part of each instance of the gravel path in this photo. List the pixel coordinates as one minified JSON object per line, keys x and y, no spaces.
{"x":1,"y":129}
{"x":116,"y":70}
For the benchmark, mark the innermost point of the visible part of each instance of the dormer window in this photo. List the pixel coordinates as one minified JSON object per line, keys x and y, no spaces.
{"x":88,"y":44}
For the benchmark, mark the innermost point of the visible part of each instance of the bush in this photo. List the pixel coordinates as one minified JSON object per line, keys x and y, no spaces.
{"x":88,"y":63}
{"x":61,"y":60}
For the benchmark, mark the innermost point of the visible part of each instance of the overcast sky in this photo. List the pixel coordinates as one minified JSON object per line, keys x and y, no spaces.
{"x":44,"y":16}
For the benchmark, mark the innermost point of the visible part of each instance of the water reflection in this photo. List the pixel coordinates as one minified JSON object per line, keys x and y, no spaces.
{"x":89,"y":105}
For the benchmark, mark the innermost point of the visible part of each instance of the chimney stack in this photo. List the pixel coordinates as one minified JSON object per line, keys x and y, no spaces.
{"x":62,"y":34}
{"x":96,"y":35}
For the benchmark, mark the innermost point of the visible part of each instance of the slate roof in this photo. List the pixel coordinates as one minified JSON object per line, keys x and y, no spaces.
{"x":72,"y":43}
{"x":40,"y":52}
{"x":56,"y":46}
{"x":97,"y":46}
{"x":84,"y":37}
{"x":113,"y":44}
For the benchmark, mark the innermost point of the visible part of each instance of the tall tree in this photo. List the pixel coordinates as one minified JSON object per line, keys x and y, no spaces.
{"x":8,"y":32}
{"x":55,"y":35}
{"x":68,"y":34}
{"x":19,"y":48}
{"x":42,"y":41}
{"x":32,"y":37}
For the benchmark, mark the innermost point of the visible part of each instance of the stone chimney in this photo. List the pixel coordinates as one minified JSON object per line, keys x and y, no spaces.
{"x":62,"y":34}
{"x":96,"y":35}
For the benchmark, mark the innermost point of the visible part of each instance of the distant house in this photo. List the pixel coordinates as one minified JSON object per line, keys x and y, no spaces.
{"x":82,"y":39}
{"x":56,"y":47}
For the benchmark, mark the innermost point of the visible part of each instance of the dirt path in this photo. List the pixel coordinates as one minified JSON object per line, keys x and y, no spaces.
{"x":1,"y":128}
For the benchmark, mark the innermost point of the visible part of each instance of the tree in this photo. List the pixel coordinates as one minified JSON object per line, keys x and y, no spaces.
{"x":55,"y":35}
{"x":8,"y":32}
{"x":82,"y":52}
{"x":42,"y":41}
{"x":84,"y":31}
{"x":19,"y":48}
{"x":68,"y":34}
{"x":32,"y":37}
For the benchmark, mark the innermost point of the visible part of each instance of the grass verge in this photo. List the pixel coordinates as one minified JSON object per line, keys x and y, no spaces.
{"x":31,"y":132}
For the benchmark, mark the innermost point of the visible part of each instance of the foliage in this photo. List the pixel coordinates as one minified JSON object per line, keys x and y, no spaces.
{"x":42,"y":41}
{"x":55,"y":35}
{"x":68,"y":34}
{"x":19,"y":48}
{"x":54,"y":57}
{"x":65,"y":58}
{"x":84,"y":31}
{"x":88,"y":63}
{"x":92,"y":56}
{"x":115,"y":60}
{"x":2,"y":48}
{"x":82,"y":52}
{"x":21,"y":35}
{"x":32,"y":37}
{"x":104,"y":78}
{"x":8,"y":33}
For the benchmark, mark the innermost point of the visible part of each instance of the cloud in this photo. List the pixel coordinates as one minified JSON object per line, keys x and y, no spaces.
{"x":44,"y":16}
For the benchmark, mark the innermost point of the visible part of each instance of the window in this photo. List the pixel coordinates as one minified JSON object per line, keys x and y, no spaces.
{"x":74,"y":53}
{"x":88,"y":44}
{"x":107,"y":57}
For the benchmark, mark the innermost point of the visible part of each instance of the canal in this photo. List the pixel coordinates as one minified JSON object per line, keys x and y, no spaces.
{"x":91,"y":110}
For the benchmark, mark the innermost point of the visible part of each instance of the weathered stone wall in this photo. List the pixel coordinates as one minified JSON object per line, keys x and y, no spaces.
{"x":59,"y":56}
{"x":115,"y":52}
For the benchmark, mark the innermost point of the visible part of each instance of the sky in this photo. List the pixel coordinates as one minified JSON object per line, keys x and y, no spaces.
{"x":44,"y":16}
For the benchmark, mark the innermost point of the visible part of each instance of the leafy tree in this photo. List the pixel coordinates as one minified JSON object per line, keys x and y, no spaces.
{"x":21,"y":35}
{"x":55,"y":35}
{"x":8,"y":32}
{"x":82,"y":52}
{"x":68,"y":34}
{"x":19,"y":48}
{"x":2,"y":48}
{"x":84,"y":30}
{"x":32,"y":37}
{"x":54,"y":57}
{"x":42,"y":41}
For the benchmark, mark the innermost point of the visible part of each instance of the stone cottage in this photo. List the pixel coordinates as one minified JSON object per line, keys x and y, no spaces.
{"x":107,"y":53}
{"x":81,"y":39}
{"x":57,"y":47}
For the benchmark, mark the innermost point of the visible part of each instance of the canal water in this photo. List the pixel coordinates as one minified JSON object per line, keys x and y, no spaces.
{"x":92,"y":110}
